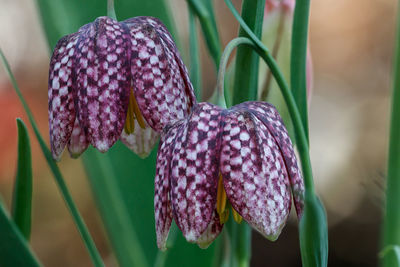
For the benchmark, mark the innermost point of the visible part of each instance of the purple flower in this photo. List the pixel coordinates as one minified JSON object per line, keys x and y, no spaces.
{"x":242,"y":155}
{"x":114,"y":80}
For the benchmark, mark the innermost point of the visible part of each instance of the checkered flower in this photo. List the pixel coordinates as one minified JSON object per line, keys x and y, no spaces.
{"x":116,"y":80}
{"x":215,"y":158}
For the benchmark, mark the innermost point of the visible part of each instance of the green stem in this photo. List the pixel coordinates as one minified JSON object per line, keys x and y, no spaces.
{"x":209,"y":30}
{"x":298,"y":59}
{"x":290,"y":102}
{"x":391,"y":230}
{"x":111,"y":9}
{"x":246,"y":62}
{"x":87,"y":239}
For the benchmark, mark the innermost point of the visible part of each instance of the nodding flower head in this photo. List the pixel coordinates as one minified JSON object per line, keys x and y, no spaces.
{"x":116,"y":80}
{"x":215,"y":158}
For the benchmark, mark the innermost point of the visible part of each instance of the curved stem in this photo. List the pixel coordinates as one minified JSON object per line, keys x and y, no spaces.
{"x":111,"y":9}
{"x":80,"y":224}
{"x":301,"y":138}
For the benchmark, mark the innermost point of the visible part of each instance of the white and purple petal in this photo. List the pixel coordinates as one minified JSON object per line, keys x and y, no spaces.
{"x":268,"y":114}
{"x":255,"y":180}
{"x":103,"y":80}
{"x":61,"y":94}
{"x":161,"y":86}
{"x":78,"y":141}
{"x":141,"y":141}
{"x":211,"y":233}
{"x":162,"y":201}
{"x":195,"y":171}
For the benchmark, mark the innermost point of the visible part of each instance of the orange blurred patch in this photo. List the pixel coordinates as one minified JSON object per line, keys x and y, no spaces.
{"x":11,"y":109}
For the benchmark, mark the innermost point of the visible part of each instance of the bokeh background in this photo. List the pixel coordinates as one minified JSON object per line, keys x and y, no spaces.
{"x":351,"y":44}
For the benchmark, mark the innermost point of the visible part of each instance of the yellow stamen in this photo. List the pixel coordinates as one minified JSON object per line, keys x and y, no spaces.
{"x":130,"y":117}
{"x":221,"y":197}
{"x":236,"y":216}
{"x":136,"y":110}
{"x":224,"y":216}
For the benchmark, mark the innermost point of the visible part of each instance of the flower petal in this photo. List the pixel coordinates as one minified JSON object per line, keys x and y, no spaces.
{"x":103,"y":80}
{"x":255,"y":181}
{"x":211,"y":233}
{"x":162,"y":203}
{"x":141,"y":141}
{"x":61,"y":95}
{"x":166,"y":36}
{"x":163,"y":94}
{"x":78,"y":142}
{"x":268,"y":114}
{"x":194,"y":170}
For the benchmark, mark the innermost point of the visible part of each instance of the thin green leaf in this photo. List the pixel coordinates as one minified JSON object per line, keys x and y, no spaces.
{"x":206,"y":16}
{"x":14,"y":249}
{"x":22,"y":195}
{"x":195,"y":68}
{"x":80,"y":224}
{"x":391,"y":230}
{"x":298,"y":59}
{"x":247,"y":60}
{"x":313,"y":231}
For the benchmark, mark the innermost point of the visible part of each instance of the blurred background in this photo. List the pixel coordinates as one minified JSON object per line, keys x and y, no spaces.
{"x":351,"y":44}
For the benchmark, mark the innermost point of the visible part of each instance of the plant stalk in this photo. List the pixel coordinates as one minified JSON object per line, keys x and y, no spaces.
{"x":391,"y":230}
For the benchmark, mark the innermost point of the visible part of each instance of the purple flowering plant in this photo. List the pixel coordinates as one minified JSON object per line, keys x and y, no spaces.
{"x":125,"y":80}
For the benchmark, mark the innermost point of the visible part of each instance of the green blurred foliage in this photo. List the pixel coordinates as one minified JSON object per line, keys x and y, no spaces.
{"x":14,"y":249}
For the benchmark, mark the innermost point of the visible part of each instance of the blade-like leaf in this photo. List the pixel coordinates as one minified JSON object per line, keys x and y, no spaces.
{"x":195,"y":68}
{"x":313,"y":230}
{"x":298,"y":58}
{"x":14,"y":249}
{"x":391,"y":229}
{"x":22,"y":196}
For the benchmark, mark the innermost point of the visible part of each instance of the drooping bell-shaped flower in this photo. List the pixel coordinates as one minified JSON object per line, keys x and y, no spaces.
{"x":242,"y":155}
{"x":116,"y":80}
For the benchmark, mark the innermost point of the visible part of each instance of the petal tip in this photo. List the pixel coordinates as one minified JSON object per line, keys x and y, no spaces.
{"x":191,"y":236}
{"x":56,"y":156}
{"x":102,"y":145}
